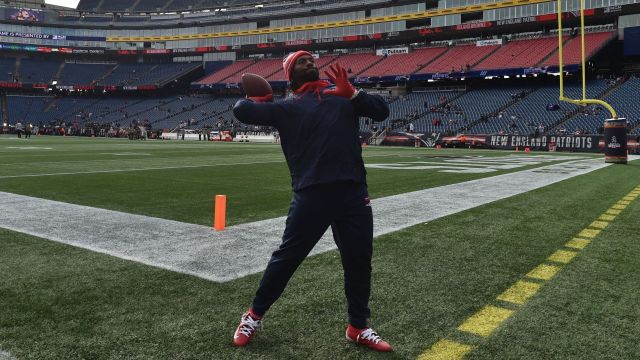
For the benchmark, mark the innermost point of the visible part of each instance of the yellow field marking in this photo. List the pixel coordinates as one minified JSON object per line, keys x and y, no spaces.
{"x":446,"y":350}
{"x":599,"y":224}
{"x":606,"y":217}
{"x":544,"y":272}
{"x":562,"y":256}
{"x":519,"y":292}
{"x":589,"y":233}
{"x":490,"y":317}
{"x":577,"y":243}
{"x":486,"y":320}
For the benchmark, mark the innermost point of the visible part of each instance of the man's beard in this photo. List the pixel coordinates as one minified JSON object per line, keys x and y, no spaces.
{"x":299,"y":78}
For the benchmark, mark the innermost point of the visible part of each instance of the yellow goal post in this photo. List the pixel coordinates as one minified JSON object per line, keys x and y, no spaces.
{"x":584,"y":101}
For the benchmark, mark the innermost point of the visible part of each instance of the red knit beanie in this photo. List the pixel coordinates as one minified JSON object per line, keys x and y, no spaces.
{"x":290,"y":61}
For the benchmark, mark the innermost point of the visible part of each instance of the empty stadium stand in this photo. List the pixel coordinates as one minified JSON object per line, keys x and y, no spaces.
{"x":89,"y":5}
{"x":459,"y":57}
{"x":623,"y":98}
{"x":356,"y":63}
{"x":116,"y":5}
{"x":264,"y":68}
{"x":524,"y":116}
{"x":83,"y":73}
{"x":32,"y":71}
{"x":223,"y":74}
{"x":180,"y":5}
{"x":520,"y":53}
{"x":37,"y":71}
{"x":404,"y":64}
{"x":532,"y":51}
{"x":150,"y":5}
{"x":488,"y":110}
{"x":161,"y":112}
{"x":572,"y":50}
{"x":212,"y":66}
{"x":7,"y":69}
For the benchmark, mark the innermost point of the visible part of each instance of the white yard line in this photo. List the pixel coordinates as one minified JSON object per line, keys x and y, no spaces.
{"x":281,"y":160}
{"x":245,"y":249}
{"x":5,"y":355}
{"x":138,"y":169}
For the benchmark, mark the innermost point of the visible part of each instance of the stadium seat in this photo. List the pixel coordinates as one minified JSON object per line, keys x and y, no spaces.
{"x":404,"y":64}
{"x":572,"y":51}
{"x":519,"y":53}
{"x":457,"y":58}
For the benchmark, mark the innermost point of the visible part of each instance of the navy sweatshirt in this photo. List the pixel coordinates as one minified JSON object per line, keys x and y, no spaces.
{"x":319,"y":133}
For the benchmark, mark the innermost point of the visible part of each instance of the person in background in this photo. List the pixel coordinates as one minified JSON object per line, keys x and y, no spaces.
{"x":19,"y":129}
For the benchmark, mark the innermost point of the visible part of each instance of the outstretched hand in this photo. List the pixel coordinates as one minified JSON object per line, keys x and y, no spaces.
{"x":338,"y":75}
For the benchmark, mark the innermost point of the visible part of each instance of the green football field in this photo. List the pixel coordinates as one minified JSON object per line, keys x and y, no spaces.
{"x":552,"y":273}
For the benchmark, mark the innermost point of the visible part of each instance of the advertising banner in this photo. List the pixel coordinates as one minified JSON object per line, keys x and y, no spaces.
{"x":490,"y":42}
{"x":474,"y":25}
{"x":157,"y":51}
{"x":27,"y":35}
{"x":394,"y":51}
{"x":514,"y":21}
{"x":586,"y":143}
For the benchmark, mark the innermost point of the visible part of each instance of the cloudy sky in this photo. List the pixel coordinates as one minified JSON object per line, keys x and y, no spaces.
{"x":67,"y":3}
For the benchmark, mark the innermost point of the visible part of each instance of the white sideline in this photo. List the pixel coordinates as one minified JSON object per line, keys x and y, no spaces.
{"x":246,"y":248}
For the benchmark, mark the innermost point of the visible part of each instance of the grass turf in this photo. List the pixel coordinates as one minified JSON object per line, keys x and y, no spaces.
{"x":60,"y":302}
{"x":183,"y":177}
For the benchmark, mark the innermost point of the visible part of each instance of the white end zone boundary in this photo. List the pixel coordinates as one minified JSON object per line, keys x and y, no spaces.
{"x":246,"y":248}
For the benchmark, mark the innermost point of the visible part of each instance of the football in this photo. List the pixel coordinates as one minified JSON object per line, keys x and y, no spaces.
{"x":255,"y":85}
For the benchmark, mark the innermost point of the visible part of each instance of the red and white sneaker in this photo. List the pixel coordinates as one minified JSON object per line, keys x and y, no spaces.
{"x":249,"y":324}
{"x":368,"y":338}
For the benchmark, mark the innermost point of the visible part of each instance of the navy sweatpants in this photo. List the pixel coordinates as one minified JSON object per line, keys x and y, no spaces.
{"x":346,"y":208}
